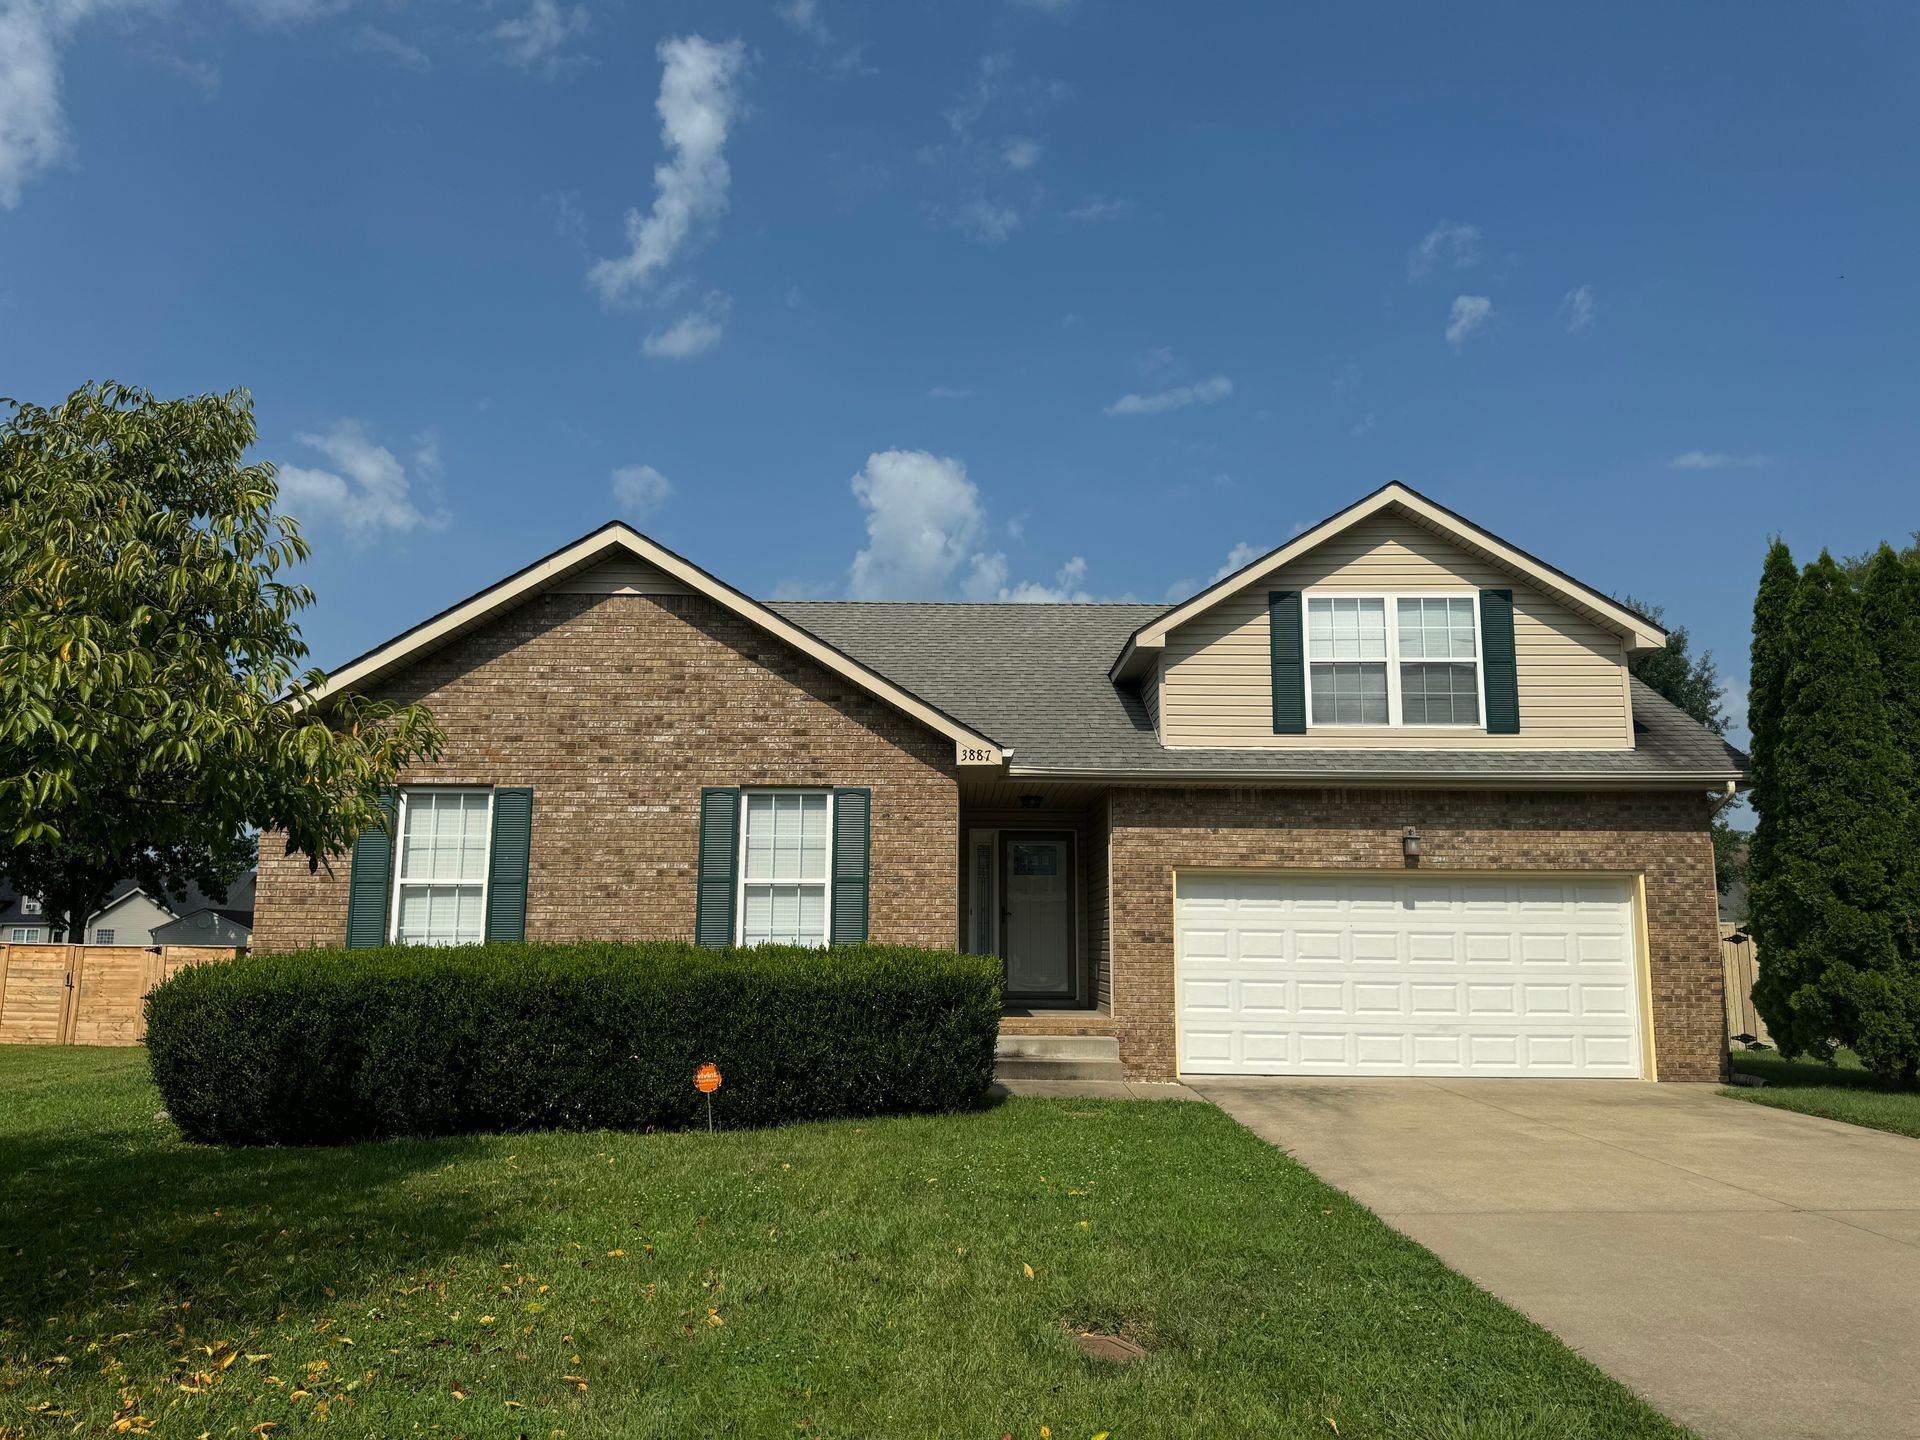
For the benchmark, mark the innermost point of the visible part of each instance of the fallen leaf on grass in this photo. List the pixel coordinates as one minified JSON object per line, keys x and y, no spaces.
{"x":1029,"y":1273}
{"x":486,"y":1319}
{"x":256,"y":1359}
{"x":264,"y":1426}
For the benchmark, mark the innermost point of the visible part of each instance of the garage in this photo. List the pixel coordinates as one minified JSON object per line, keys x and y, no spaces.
{"x":1296,"y":974}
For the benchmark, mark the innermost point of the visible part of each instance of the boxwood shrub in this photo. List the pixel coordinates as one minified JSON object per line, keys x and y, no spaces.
{"x":325,"y":1047}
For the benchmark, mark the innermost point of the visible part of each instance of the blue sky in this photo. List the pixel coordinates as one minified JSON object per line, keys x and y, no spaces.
{"x":988,"y":298}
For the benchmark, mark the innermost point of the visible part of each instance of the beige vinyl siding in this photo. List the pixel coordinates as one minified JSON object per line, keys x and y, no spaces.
{"x":622,"y":575}
{"x":1216,"y":687}
{"x":1150,"y":694}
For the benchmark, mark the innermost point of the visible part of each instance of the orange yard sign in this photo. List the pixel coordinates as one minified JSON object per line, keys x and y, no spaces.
{"x":707,"y":1078}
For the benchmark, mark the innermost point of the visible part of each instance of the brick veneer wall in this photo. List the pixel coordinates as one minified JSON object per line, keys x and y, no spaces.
{"x":617,"y":709}
{"x":1664,"y":837}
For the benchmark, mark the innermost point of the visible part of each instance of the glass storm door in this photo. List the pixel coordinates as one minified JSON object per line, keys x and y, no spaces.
{"x":1036,"y":916}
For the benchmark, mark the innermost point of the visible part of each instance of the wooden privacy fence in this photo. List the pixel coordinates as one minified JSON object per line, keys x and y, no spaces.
{"x":85,"y":994}
{"x":1741,"y":966}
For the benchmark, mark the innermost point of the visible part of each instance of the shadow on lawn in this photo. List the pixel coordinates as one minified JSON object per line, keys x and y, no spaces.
{"x":118,"y":1230}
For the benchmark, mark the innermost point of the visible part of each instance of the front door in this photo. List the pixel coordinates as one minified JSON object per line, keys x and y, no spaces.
{"x":1036,"y":916}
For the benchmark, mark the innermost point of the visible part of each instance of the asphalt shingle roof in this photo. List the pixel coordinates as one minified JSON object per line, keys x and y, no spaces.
{"x":1034,"y":678}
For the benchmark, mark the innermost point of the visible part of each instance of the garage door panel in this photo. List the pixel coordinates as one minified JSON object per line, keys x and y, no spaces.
{"x":1285,"y":974}
{"x":1260,"y":998}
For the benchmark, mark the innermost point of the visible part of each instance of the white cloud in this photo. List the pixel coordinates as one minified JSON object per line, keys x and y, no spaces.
{"x":1362,"y":427}
{"x":986,"y":221}
{"x":699,"y":102}
{"x":640,"y":490}
{"x":1469,"y":315}
{"x":1238,"y":558}
{"x":1450,"y":241}
{"x":1715,"y":460}
{"x":923,"y":519}
{"x":537,"y":39}
{"x":288,"y":12}
{"x":203,"y":75}
{"x":366,"y":492}
{"x":33,"y":126}
{"x":989,"y":77}
{"x":802,"y":15}
{"x":1576,"y":309}
{"x":1020,"y":152}
{"x":948,"y":392}
{"x":989,"y":582}
{"x":925,"y":524}
{"x":387,"y":45}
{"x":694,"y":333}
{"x":1204,"y":392}
{"x":1096,"y":208}
{"x":1048,"y":7}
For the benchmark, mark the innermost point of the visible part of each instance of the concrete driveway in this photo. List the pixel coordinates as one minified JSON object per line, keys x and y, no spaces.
{"x":1751,"y":1272}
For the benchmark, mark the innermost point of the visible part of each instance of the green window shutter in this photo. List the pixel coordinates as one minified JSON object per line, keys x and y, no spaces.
{"x":507,"y":868}
{"x":719,"y":868}
{"x":1289,"y":663}
{"x":852,"y":851}
{"x":370,"y":881}
{"x":1496,"y":650}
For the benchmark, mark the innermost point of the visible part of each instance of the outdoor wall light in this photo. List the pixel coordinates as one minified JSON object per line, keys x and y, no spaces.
{"x":1410,"y":844}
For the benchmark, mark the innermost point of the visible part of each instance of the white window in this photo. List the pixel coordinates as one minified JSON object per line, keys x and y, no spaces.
{"x":103,"y":937}
{"x":25,"y":935}
{"x":440,"y":870}
{"x":786,"y":854}
{"x":1398,"y":660}
{"x":29,"y":905}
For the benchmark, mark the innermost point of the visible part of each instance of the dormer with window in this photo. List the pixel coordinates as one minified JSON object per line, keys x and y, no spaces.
{"x":1394,"y":625}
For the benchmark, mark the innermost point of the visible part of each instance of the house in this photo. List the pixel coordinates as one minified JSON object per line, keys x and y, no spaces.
{"x":1384,"y":801}
{"x":132,"y":916}
{"x":23,"y":920}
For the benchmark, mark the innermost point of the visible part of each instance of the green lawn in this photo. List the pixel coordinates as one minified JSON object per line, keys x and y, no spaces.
{"x":1843,"y":1091}
{"x":880,"y":1278}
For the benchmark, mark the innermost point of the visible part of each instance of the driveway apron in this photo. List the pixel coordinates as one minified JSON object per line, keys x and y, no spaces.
{"x":1751,"y":1272}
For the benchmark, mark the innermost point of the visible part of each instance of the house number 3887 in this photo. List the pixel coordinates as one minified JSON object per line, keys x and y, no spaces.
{"x":975,"y":755}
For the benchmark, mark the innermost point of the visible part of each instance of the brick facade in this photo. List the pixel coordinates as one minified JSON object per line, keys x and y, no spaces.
{"x":617,"y":709}
{"x":1663,"y":837}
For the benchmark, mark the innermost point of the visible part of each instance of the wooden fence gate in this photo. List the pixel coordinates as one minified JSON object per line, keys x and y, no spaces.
{"x":86,"y":994}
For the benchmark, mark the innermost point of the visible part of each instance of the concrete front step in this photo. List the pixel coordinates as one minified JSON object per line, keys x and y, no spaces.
{"x":1027,"y":1067}
{"x":1057,"y":1057}
{"x":1058,"y":1047}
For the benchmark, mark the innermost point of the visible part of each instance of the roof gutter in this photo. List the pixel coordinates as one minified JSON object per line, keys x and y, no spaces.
{"x":1427,"y":780}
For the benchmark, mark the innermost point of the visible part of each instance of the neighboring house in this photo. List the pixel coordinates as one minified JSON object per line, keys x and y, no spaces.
{"x":1385,"y":801}
{"x":133,"y":917}
{"x":23,"y":921}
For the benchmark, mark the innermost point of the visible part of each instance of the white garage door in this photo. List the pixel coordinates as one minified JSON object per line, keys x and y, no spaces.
{"x":1293,"y":975}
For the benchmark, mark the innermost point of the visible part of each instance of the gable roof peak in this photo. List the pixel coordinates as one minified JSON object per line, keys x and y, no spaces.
{"x":1637,"y":630}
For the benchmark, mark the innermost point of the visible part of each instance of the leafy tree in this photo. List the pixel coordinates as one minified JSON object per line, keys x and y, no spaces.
{"x":1831,"y":970}
{"x":1690,"y":681}
{"x":151,"y":713}
{"x":1693,"y":683}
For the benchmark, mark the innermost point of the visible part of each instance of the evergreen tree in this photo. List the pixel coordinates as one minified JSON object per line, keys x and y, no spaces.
{"x":1834,"y":972}
{"x":1890,"y":604}
{"x":1766,"y":699}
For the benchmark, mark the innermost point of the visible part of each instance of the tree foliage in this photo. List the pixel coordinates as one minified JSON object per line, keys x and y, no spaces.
{"x":1693,"y":683}
{"x":1834,"y":921}
{"x":1766,"y":701}
{"x":1690,"y":681}
{"x":152,"y":712}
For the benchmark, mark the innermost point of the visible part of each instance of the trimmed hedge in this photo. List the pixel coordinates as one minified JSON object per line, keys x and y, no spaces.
{"x":326,"y":1047}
